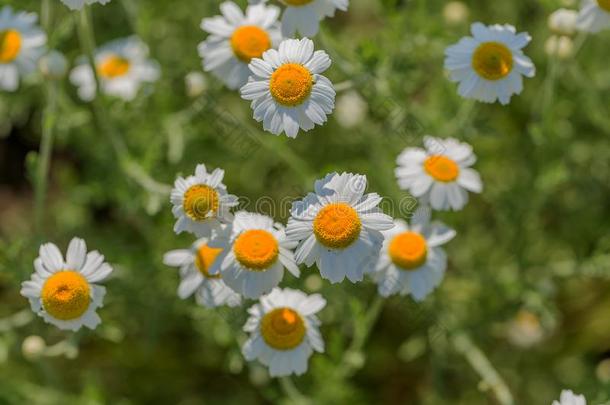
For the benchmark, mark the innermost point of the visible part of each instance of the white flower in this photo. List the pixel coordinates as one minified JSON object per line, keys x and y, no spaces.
{"x":339,"y":227}
{"x":78,"y":4}
{"x":594,"y":16}
{"x":569,"y":398}
{"x":490,"y":65}
{"x":65,"y":293}
{"x":440,"y":174}
{"x":412,"y":260}
{"x":284,"y":331}
{"x":304,"y":16}
{"x":122,"y":67}
{"x":255,"y":253}
{"x":235,"y":39}
{"x":287,"y":89}
{"x":195,"y":264}
{"x":22,"y":43}
{"x":201,"y":203}
{"x":560,"y":46}
{"x":456,"y":12}
{"x":195,"y":83}
{"x":351,"y":109}
{"x":53,"y":65}
{"x":563,"y":21}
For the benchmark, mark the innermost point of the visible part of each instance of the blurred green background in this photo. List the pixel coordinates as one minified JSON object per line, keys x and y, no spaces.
{"x":526,"y":293}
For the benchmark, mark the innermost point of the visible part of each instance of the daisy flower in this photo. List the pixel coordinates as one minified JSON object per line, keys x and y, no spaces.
{"x":339,"y":227}
{"x":284,"y":331}
{"x":122,"y":67}
{"x":22,"y":43}
{"x":594,"y":16}
{"x":569,"y":398}
{"x":235,"y":39}
{"x":195,"y":264}
{"x":287,"y":89}
{"x":490,"y":65}
{"x":412,"y":260}
{"x":63,"y":292}
{"x":255,"y":253}
{"x":79,"y":4}
{"x":304,"y":16}
{"x":440,"y":174}
{"x":201,"y":202}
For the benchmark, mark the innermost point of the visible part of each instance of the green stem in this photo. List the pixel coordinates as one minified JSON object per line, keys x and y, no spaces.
{"x":481,"y":364}
{"x":292,"y":391}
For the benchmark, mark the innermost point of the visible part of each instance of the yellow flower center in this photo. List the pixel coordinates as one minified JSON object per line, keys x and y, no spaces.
{"x":283,"y":329}
{"x":408,"y":250}
{"x":441,"y":168}
{"x":10,"y":45}
{"x":256,"y":249}
{"x":113,"y":66}
{"x":250,"y":42}
{"x":297,"y":3}
{"x":199,"y":201}
{"x":337,"y":226}
{"x":492,"y":60}
{"x":605,"y":4}
{"x":291,"y":84}
{"x":205,"y":258}
{"x":65,"y":295}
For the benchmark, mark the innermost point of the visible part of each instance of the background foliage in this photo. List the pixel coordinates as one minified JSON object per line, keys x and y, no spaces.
{"x":535,"y":243}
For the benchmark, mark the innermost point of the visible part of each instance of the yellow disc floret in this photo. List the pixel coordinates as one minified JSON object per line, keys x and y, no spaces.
{"x":10,"y":45}
{"x":297,"y":3}
{"x":250,"y":41}
{"x":441,"y":168}
{"x":605,"y":4}
{"x":291,"y":84}
{"x":283,"y":329}
{"x":492,"y":60}
{"x":113,"y":66}
{"x":66,"y":295}
{"x":337,"y":226}
{"x":408,"y":250}
{"x":205,"y":258}
{"x":256,"y":249}
{"x":200,"y":201}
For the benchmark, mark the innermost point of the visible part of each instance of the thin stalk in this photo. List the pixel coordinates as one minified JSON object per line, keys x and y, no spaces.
{"x":292,"y":392}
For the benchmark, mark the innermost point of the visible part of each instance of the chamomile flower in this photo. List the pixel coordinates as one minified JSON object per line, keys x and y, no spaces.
{"x":201,"y":203}
{"x":255,"y":253}
{"x":64,"y":292}
{"x":339,"y":227}
{"x":79,"y":4}
{"x":22,"y":43}
{"x":195,"y":264}
{"x":284,"y":331}
{"x":440,"y":174}
{"x":594,"y":16}
{"x":235,"y":39}
{"x":304,"y":16}
{"x":412,"y":260}
{"x":122,"y":67}
{"x":490,"y":65}
{"x":569,"y":398}
{"x":287,"y":89}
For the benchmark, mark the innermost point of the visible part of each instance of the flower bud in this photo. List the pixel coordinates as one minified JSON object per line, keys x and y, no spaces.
{"x":53,"y":65}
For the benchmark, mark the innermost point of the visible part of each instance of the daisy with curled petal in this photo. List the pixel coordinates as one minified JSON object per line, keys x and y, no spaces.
{"x":64,"y":292}
{"x":339,"y":227}
{"x":304,"y":16}
{"x":569,"y":398}
{"x":440,"y":174}
{"x":412,"y":260}
{"x":235,"y":39}
{"x":490,"y":65}
{"x":594,"y":16}
{"x":122,"y":66}
{"x":79,"y":4}
{"x":195,"y":264}
{"x":22,"y":43}
{"x":255,"y":253}
{"x":201,"y":202}
{"x":287,"y":89}
{"x":284,"y":331}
